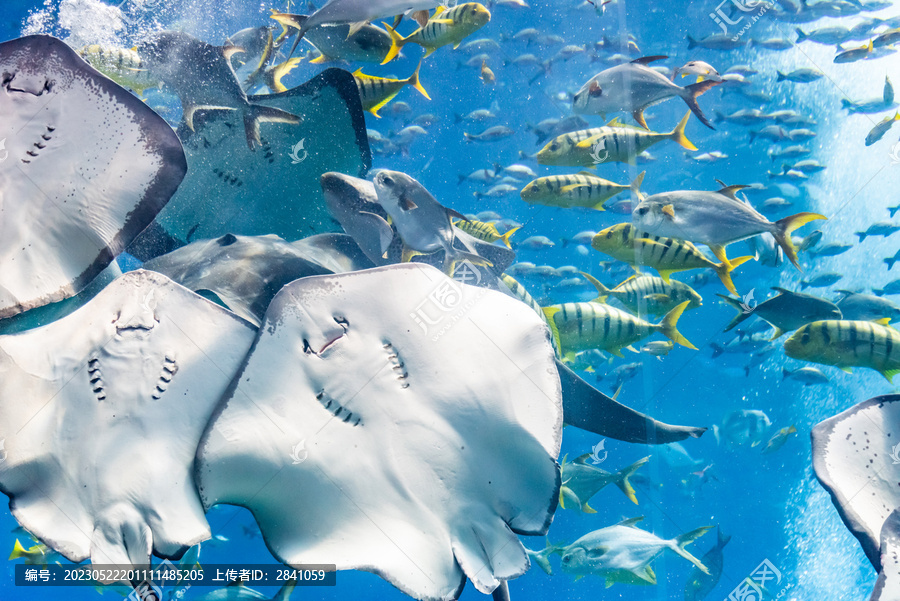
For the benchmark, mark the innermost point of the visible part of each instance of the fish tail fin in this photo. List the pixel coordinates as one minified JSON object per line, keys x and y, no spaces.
{"x":668,"y":323}
{"x":680,"y":542}
{"x":678,"y":135}
{"x":690,"y":98}
{"x":723,"y":270}
{"x":635,"y":186}
{"x":890,"y":262}
{"x":623,"y":482}
{"x":862,"y":235}
{"x":602,"y":291}
{"x":781,"y":76}
{"x":18,"y":551}
{"x":284,"y":593}
{"x":414,"y":82}
{"x":800,"y":35}
{"x":505,"y":237}
{"x":785,"y":373}
{"x":397,"y":42}
{"x":273,"y":76}
{"x":893,"y":210}
{"x":692,"y":43}
{"x":459,"y":255}
{"x":257,"y":114}
{"x":542,"y":558}
{"x":735,"y":303}
{"x":783,"y":229}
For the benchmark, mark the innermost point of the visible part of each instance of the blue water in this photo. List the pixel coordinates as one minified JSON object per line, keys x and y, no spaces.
{"x":771,"y":505}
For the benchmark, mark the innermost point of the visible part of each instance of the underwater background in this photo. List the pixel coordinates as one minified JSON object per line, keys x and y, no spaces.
{"x":770,"y":504}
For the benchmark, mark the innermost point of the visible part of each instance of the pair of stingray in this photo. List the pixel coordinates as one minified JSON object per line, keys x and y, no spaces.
{"x":124,"y":421}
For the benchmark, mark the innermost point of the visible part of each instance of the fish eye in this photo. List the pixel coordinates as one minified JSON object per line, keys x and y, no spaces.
{"x":566,"y":558}
{"x":554,"y":146}
{"x":642,"y":210}
{"x":386,"y":179}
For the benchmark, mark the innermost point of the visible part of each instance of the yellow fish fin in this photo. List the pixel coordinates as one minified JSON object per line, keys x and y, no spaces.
{"x":505,"y":237}
{"x":678,"y":135}
{"x":668,"y":323}
{"x":414,"y":82}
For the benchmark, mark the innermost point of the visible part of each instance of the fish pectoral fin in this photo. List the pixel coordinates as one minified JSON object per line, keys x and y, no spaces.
{"x":384,"y":229}
{"x":588,"y":509}
{"x":190,"y":109}
{"x":669,"y":210}
{"x":646,"y":574}
{"x":638,"y":115}
{"x":571,"y":187}
{"x":406,"y":203}
{"x":421,"y":17}
{"x":617,"y":352}
{"x":355,"y":27}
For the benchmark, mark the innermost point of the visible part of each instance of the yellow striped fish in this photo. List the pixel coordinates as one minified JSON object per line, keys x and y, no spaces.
{"x":610,"y":143}
{"x":375,"y":92}
{"x":519,"y":291}
{"x":582,"y":326}
{"x":121,"y":65}
{"x":443,"y":28}
{"x":847,"y":344}
{"x":665,"y":255}
{"x":487,"y":232}
{"x":584,"y":190}
{"x":647,"y":294}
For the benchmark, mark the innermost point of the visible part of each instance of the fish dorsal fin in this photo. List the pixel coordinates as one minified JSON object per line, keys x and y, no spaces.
{"x":630,"y":521}
{"x":783,"y":290}
{"x":587,"y":174}
{"x":730,"y":191}
{"x":457,"y":214}
{"x":582,"y":459}
{"x":649,"y":59}
{"x":614,"y":123}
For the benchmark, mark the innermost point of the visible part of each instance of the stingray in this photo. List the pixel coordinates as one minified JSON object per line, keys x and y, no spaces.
{"x":273,"y":189}
{"x":245,"y":272}
{"x":364,"y":440}
{"x":88,"y":168}
{"x":102,"y":411}
{"x":855,"y":457}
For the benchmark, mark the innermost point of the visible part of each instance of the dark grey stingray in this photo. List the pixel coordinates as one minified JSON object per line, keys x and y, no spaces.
{"x":101,"y":413}
{"x":246,"y":272}
{"x":855,"y":459}
{"x":88,"y":168}
{"x":273,"y":189}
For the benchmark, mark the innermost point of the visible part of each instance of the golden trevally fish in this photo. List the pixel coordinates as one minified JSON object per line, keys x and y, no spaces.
{"x":847,"y":344}
{"x":584,"y":190}
{"x":665,"y":255}
{"x":613,"y":142}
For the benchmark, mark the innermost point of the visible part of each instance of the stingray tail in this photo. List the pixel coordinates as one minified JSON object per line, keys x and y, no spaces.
{"x":723,"y":270}
{"x":690,"y":98}
{"x":668,"y":323}
{"x":622,"y":479}
{"x":783,"y":229}
{"x":257,"y":113}
{"x":680,"y":542}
